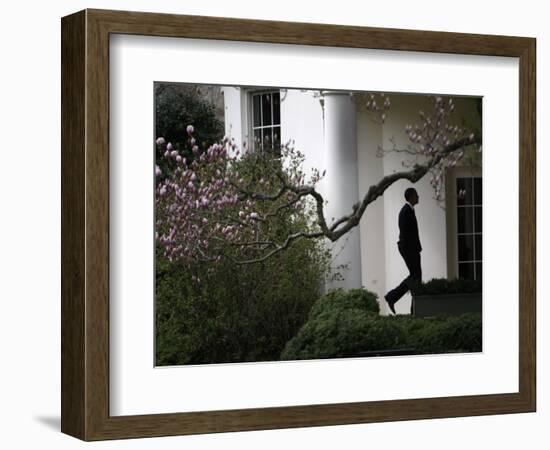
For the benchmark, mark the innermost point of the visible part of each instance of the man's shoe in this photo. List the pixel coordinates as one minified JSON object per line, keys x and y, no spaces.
{"x":390,"y":304}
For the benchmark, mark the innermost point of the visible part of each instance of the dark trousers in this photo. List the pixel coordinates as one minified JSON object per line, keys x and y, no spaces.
{"x":412,"y":260}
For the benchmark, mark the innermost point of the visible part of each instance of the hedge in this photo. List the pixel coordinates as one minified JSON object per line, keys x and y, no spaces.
{"x":443,"y":286}
{"x":343,"y":324}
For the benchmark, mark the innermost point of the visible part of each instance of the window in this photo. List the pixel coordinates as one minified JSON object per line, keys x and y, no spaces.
{"x":266,"y":120}
{"x":469,"y":227}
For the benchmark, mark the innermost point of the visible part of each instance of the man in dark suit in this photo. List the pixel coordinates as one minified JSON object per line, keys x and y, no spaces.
{"x":409,"y":247}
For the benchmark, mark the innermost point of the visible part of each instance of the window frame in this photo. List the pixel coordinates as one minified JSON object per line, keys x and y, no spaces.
{"x":451,"y":214}
{"x":249,"y":113}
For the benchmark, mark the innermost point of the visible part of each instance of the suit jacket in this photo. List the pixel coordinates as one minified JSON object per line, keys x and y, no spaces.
{"x":408,"y":230}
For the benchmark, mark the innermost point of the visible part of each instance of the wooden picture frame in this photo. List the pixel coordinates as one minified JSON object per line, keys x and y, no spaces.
{"x":85,"y":224}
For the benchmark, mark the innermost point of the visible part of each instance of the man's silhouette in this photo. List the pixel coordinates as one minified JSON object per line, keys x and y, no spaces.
{"x":409,"y":247}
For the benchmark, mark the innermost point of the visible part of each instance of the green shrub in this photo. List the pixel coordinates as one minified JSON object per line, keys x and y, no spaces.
{"x":448,"y":335}
{"x":443,"y":286}
{"x":342,"y":323}
{"x":236,"y":313}
{"x":344,"y":332}
{"x":346,"y":323}
{"x":338,"y":299}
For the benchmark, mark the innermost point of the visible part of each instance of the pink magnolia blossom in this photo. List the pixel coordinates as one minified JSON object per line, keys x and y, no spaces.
{"x":205,"y":202}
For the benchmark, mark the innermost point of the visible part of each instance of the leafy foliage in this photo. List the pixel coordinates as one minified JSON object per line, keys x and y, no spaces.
{"x":443,"y":286}
{"x":342,"y":323}
{"x":236,"y":313}
{"x":176,"y":106}
{"x":447,"y":334}
{"x":344,"y":332}
{"x":340,"y":326}
{"x":225,"y":312}
{"x":340,"y":300}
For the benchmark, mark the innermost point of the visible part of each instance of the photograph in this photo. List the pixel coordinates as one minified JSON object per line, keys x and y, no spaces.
{"x":310,"y":223}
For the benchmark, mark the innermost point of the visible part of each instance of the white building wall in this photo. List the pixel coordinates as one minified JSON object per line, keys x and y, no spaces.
{"x":302,"y":122}
{"x":234,"y":114}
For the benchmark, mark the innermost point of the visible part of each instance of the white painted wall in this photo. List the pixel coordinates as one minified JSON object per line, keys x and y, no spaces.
{"x":302,"y":122}
{"x":233,"y":113}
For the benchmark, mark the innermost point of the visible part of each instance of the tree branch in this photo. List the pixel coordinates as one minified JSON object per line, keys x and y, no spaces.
{"x":376,"y":190}
{"x":345,"y":223}
{"x":279,"y":248}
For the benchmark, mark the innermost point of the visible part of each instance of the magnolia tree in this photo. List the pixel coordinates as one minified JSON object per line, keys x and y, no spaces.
{"x":220,"y":203}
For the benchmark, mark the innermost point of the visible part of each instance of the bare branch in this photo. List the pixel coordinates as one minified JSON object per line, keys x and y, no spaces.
{"x":279,"y":248}
{"x":415,"y":174}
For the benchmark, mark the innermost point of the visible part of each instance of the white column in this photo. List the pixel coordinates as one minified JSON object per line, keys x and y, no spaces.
{"x":341,"y":183}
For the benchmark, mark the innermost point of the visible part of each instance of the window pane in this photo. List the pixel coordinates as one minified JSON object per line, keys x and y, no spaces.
{"x":466,"y":248}
{"x":276,"y":136}
{"x":466,"y":270}
{"x":478,"y":215}
{"x":465,"y":220}
{"x":464,"y":191}
{"x":267,"y":138}
{"x":258,"y":138}
{"x":479,"y":247}
{"x":479,"y":271}
{"x":256,"y":111}
{"x":478,"y":191}
{"x":266,"y":109}
{"x":276,"y":108}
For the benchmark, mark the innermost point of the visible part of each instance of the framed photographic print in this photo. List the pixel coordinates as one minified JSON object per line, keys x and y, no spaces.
{"x":270,"y":224}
